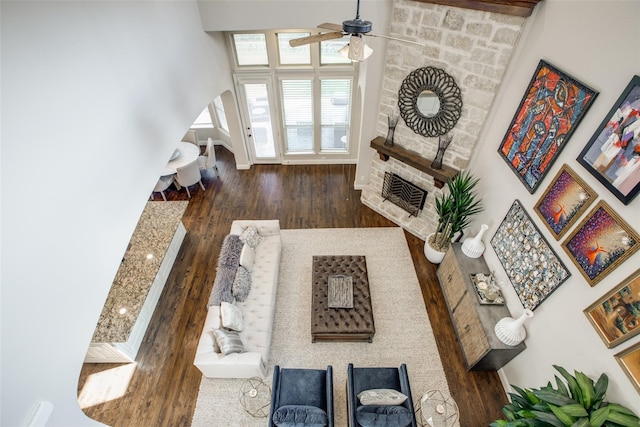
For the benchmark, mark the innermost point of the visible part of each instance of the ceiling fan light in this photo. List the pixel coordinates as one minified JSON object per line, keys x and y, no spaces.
{"x":356,"y":50}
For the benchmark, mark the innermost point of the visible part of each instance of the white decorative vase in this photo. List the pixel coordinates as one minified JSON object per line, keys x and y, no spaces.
{"x":473,"y":247}
{"x":432,"y":255}
{"x":511,"y":331}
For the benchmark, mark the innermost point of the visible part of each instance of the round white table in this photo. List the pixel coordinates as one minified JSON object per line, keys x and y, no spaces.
{"x":186,"y":153}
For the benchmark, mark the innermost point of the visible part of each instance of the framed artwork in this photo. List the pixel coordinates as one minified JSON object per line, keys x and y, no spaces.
{"x":600,"y":243}
{"x":549,"y":112}
{"x":612,"y":154}
{"x":616,"y":316}
{"x":533,"y":268}
{"x":629,"y":360}
{"x":564,"y":201}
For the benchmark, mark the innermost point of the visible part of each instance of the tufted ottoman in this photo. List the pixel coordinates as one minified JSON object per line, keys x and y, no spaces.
{"x":341,"y":324}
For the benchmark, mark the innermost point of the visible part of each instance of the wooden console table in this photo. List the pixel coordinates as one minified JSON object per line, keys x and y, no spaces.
{"x":474,"y":322}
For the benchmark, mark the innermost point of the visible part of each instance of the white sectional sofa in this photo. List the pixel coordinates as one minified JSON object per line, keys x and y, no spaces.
{"x":257,"y":310}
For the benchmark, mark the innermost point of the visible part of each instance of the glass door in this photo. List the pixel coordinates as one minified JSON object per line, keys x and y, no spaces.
{"x":258,"y":120}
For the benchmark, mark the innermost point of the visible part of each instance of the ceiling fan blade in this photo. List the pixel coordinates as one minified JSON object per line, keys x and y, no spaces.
{"x":332,"y":27}
{"x":314,"y":38}
{"x":395,"y":38}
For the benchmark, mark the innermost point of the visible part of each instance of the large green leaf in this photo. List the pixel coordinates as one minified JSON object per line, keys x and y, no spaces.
{"x":623,"y":419}
{"x":599,"y":416}
{"x":621,"y":409}
{"x":561,"y":387}
{"x":601,"y":388}
{"x":509,"y":413}
{"x":574,"y":410}
{"x":554,"y":397}
{"x":565,"y":419}
{"x":531,"y":396}
{"x":549,"y":418}
{"x":576,"y":392}
{"x":582,"y":422}
{"x":588,"y":390}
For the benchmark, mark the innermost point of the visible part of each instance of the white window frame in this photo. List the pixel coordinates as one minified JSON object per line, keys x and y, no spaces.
{"x":314,"y":71}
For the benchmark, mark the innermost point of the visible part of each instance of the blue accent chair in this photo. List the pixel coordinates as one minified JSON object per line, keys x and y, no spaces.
{"x":300,"y":394}
{"x":360,"y":379}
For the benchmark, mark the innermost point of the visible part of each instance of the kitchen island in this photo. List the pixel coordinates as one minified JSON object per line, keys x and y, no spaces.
{"x":138,"y":283}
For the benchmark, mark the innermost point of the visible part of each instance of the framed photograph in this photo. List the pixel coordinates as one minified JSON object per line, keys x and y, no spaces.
{"x":600,"y":243}
{"x":550,"y":110}
{"x":612,"y":154}
{"x":629,"y":360}
{"x":616,"y":316}
{"x":533,"y":268}
{"x":564,"y":201}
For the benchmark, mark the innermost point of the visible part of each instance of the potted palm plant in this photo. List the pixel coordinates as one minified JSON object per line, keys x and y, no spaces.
{"x":455,"y":209}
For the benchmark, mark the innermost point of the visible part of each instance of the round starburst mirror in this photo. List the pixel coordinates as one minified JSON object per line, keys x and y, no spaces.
{"x":430,"y":101}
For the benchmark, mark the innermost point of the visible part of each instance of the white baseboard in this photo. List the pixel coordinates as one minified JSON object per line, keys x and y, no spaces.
{"x":505,"y":381}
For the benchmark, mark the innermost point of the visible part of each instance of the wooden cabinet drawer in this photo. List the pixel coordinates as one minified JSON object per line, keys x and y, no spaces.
{"x":473,"y":341}
{"x":451,"y":280}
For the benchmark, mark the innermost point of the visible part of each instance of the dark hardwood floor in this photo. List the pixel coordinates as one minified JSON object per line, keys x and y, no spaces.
{"x":164,"y":386}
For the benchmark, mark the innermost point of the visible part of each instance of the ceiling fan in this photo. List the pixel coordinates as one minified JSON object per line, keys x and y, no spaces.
{"x":356,"y":49}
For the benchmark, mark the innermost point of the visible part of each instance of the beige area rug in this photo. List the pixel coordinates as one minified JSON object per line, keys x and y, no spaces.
{"x":403,"y":332}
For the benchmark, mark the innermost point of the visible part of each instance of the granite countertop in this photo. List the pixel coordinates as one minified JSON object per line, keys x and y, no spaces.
{"x":148,"y":246}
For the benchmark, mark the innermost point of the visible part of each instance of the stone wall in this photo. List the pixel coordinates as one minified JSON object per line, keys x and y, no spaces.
{"x":475,"y":48}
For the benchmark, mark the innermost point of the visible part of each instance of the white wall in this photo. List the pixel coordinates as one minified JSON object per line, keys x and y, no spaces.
{"x":95,"y":95}
{"x":596,"y":43}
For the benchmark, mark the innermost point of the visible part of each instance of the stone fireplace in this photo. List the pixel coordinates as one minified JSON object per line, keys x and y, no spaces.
{"x":475,"y":48}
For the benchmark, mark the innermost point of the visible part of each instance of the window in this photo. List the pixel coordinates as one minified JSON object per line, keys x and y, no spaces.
{"x":218,"y":109}
{"x":335,"y":105}
{"x":251,"y":49}
{"x":330,"y":51}
{"x":203,"y":120}
{"x":297,"y":102}
{"x":300,"y":55}
{"x":310,"y":112}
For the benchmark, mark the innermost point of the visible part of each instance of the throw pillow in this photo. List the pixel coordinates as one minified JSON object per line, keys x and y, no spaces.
{"x":246,"y":257}
{"x":379,"y":396}
{"x":222,"y":285}
{"x":216,"y":347}
{"x":241,"y":284}
{"x":388,"y":416}
{"x":215,"y":322}
{"x":231,"y":316}
{"x":299,"y":416}
{"x":229,"y":341}
{"x":250,"y":236}
{"x":230,"y":251}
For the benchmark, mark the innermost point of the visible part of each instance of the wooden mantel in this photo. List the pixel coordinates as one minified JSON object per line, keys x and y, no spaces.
{"x":508,"y":7}
{"x":413,"y":159}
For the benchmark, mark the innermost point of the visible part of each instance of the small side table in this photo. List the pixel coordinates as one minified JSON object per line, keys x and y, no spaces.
{"x":255,"y":397}
{"x":436,"y":409}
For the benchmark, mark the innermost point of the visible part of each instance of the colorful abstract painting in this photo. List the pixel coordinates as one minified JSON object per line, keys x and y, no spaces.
{"x":613,"y":153}
{"x":562,"y":203}
{"x":616,"y":316}
{"x":600,"y":243}
{"x":549,"y":112}
{"x":533,"y":268}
